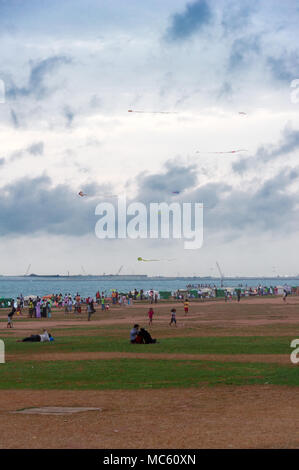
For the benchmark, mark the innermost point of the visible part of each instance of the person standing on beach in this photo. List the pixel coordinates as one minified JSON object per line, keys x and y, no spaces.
{"x":90,"y":309}
{"x":186,"y":306}
{"x":238,"y":295}
{"x":103,"y":302}
{"x":285,"y":294}
{"x":11,"y":314}
{"x":31,"y":308}
{"x":150,"y":316}
{"x":37,"y":308}
{"x":173,"y":317}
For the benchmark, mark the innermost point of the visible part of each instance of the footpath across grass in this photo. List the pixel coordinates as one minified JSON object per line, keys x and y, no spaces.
{"x":140,"y":374}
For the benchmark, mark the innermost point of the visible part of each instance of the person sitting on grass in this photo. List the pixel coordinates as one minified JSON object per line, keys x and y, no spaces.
{"x":45,"y":336}
{"x":146,"y":336}
{"x":134,"y":333}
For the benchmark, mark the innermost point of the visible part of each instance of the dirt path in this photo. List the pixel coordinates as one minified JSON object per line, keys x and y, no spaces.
{"x":80,"y":356}
{"x":206,"y":417}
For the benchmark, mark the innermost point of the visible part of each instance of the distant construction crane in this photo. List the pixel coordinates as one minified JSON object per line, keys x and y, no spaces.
{"x":83,"y":270}
{"x":119,"y":270}
{"x":221,"y":274}
{"x":26,"y":273}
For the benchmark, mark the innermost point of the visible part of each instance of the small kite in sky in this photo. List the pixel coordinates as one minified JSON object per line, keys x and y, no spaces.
{"x":176,"y":192}
{"x":230,"y":151}
{"x":151,"y":112}
{"x":82,"y":194}
{"x":146,"y":260}
{"x":242,"y":113}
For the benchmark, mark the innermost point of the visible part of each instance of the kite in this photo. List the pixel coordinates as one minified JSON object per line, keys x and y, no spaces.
{"x":151,"y":112}
{"x":242,"y":113}
{"x":176,"y":192}
{"x":99,"y":195}
{"x":230,"y":151}
{"x":146,"y":260}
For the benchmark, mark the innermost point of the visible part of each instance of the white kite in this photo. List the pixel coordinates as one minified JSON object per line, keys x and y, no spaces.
{"x":229,"y":151}
{"x":151,"y":112}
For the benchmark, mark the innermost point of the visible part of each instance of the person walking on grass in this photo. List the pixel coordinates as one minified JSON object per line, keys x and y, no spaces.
{"x":173,"y":317}
{"x":11,"y":314}
{"x":150,"y":316}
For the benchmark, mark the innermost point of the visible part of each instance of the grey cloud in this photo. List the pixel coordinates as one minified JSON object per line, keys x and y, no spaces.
{"x":177,"y":177}
{"x":34,"y":206}
{"x":285,"y":67}
{"x":69,"y":115}
{"x":243,"y":49}
{"x":231,"y":212}
{"x":288,"y":143}
{"x":14,"y":118}
{"x":35,"y":149}
{"x":238,"y":14}
{"x":36,"y":83}
{"x":192,"y":19}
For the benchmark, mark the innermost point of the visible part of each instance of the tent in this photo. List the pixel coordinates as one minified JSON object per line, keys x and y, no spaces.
{"x":5,"y":302}
{"x":165,"y":295}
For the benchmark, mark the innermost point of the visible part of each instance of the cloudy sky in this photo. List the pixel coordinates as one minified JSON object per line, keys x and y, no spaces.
{"x":72,"y":69}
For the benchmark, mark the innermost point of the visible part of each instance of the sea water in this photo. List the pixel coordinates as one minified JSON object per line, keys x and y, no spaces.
{"x":88,"y":286}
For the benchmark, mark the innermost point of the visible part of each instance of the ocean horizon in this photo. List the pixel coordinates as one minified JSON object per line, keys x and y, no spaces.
{"x":13,"y":286}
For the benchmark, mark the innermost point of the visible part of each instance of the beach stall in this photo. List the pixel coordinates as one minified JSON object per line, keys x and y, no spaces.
{"x":193,"y":294}
{"x":207,"y":292}
{"x":164,"y":295}
{"x":220,"y":293}
{"x":279,"y":290}
{"x":5,"y":302}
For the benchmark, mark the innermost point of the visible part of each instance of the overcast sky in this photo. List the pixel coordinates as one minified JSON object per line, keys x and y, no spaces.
{"x":72,"y":69}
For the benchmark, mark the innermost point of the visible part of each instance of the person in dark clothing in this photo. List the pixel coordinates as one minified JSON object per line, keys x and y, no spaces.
{"x":146,"y":336}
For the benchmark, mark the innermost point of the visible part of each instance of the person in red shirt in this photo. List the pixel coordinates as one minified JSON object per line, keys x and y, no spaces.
{"x":150,"y":316}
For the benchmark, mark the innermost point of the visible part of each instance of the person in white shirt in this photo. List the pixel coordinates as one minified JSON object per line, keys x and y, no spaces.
{"x":134,"y":333}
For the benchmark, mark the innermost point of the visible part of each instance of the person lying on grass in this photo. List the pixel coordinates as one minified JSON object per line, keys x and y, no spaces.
{"x":45,"y":336}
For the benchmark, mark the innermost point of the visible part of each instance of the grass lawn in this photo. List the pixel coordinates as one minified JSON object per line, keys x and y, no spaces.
{"x":183,"y":345}
{"x":140,"y":374}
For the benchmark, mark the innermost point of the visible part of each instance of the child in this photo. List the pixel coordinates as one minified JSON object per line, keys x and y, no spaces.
{"x":173,"y":317}
{"x":107,"y":306}
{"x":186,"y":306}
{"x":150,"y":316}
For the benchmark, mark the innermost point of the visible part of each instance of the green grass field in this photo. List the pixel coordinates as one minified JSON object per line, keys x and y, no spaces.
{"x":135,"y":373}
{"x":174,"y":345}
{"x":140,"y":373}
